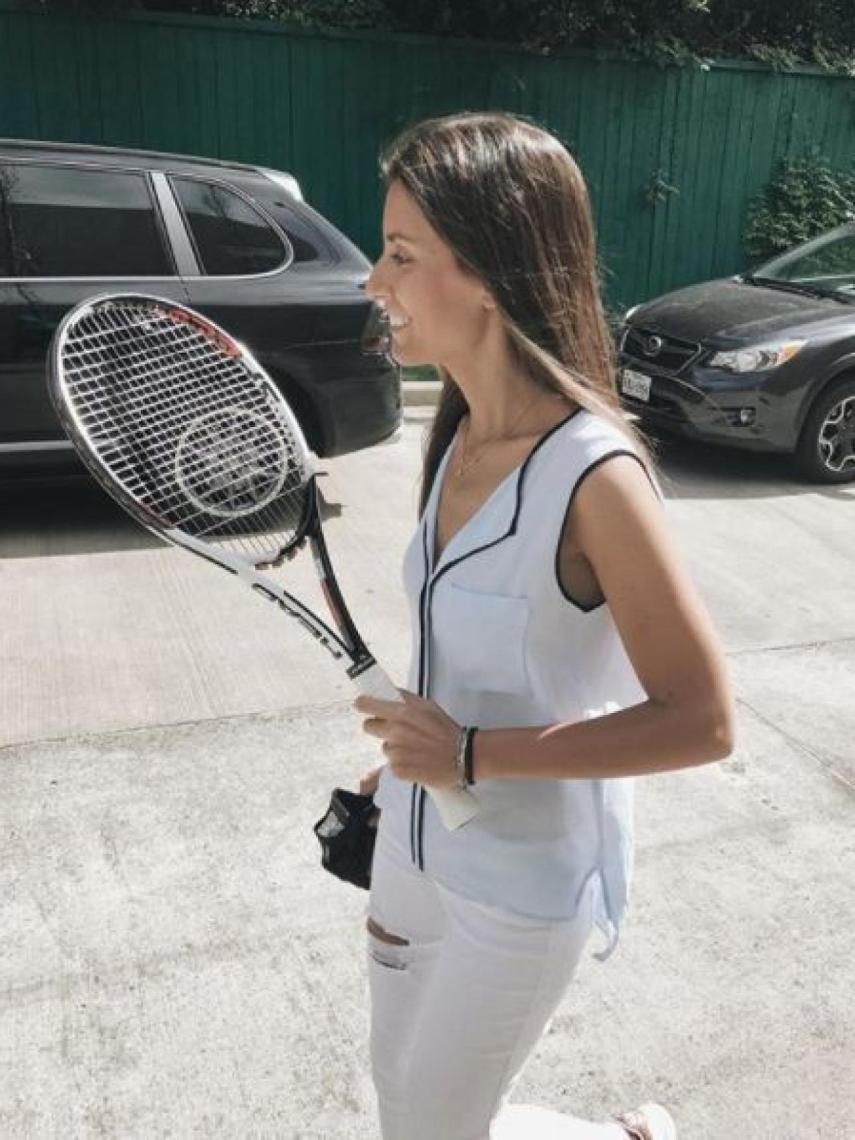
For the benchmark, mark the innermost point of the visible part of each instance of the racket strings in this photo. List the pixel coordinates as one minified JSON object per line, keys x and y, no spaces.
{"x":186,"y":427}
{"x":151,"y":418}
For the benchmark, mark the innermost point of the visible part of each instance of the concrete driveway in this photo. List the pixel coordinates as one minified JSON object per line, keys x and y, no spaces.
{"x":174,"y":962}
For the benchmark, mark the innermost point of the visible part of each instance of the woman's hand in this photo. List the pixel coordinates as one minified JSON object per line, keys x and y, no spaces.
{"x":419,"y":739}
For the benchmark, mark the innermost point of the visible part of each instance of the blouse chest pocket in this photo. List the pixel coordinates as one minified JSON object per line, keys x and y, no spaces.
{"x":482,"y":637}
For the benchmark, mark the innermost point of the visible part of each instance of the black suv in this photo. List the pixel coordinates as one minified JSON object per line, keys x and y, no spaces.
{"x":233,"y":241}
{"x":765,"y":360}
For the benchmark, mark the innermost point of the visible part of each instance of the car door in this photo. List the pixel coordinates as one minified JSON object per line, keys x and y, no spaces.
{"x":70,"y":231}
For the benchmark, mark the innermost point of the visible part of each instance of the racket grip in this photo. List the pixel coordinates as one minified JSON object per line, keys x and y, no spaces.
{"x":456,"y":806}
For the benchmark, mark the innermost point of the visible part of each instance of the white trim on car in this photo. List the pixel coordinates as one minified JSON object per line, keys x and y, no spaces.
{"x":36,"y":445}
{"x":176,"y":230}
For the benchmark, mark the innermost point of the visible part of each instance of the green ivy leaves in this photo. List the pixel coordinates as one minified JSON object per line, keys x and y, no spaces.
{"x":805,"y":197}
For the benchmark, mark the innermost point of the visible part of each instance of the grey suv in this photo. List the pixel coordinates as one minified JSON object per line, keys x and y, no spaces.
{"x":236,"y":242}
{"x":764,"y":361}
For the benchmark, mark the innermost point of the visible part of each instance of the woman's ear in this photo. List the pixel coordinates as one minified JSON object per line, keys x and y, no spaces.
{"x":488,"y":301}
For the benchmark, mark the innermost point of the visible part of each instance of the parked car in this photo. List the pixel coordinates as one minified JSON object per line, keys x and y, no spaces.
{"x":764,"y":360}
{"x":236,"y":242}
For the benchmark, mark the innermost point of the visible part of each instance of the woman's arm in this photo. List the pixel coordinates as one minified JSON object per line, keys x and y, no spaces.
{"x":617,"y":523}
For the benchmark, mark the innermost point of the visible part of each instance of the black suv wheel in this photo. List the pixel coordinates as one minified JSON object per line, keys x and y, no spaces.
{"x":826,"y":450}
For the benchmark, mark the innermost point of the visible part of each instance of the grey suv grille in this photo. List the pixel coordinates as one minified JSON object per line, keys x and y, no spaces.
{"x":658,"y":351}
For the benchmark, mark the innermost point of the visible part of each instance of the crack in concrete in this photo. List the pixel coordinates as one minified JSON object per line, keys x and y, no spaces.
{"x":792,"y":645}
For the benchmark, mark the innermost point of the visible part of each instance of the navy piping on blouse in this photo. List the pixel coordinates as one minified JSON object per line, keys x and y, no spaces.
{"x":430,"y":580}
{"x":589,"y":471}
{"x":422,"y":689}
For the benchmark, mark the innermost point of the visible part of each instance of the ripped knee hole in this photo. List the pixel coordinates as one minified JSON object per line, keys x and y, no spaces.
{"x":383,"y":935}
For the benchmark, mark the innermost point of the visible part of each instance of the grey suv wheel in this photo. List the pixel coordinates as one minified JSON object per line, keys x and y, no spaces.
{"x":826,"y":450}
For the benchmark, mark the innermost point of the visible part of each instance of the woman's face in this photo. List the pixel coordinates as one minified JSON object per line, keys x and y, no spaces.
{"x":438,"y":312}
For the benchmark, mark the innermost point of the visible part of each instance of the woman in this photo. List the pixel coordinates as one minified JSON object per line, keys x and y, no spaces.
{"x":551,"y":615}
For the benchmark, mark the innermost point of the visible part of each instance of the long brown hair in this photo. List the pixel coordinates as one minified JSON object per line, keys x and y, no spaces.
{"x":512,"y":204}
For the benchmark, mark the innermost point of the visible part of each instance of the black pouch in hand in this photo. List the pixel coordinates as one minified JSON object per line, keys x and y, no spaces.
{"x":346,"y":835}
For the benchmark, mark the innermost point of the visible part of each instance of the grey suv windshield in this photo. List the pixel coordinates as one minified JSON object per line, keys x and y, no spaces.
{"x":824,"y":266}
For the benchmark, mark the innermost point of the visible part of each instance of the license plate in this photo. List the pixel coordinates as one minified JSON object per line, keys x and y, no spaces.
{"x":635,"y":384}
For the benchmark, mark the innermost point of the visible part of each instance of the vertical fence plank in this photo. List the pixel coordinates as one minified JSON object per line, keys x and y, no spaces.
{"x":665,"y":216}
{"x":278,"y":100}
{"x":19,"y":112}
{"x":726,"y":234}
{"x":206,"y":90}
{"x":162,"y":109}
{"x":696,"y":173}
{"x":644,"y":159}
{"x":122,"y":95}
{"x":89,"y":127}
{"x":55,"y":73}
{"x":709,"y":184}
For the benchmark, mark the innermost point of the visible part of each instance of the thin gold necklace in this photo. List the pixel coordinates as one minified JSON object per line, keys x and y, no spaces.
{"x":464,"y":464}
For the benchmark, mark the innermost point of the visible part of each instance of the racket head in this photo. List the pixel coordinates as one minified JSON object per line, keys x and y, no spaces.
{"x":182,"y":426}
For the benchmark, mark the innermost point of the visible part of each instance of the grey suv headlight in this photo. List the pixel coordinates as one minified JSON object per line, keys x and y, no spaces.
{"x":757,"y":358}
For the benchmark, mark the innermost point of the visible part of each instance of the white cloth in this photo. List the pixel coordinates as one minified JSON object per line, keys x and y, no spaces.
{"x":497,"y":643}
{"x":457,"y":1011}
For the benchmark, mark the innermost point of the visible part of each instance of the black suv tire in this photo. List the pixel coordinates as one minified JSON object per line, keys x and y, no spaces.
{"x":813,"y":455}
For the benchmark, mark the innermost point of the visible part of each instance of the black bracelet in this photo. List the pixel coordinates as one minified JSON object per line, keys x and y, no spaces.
{"x":469,"y":756}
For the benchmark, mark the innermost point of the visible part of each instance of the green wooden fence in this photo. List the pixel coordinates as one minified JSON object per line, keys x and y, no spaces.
{"x":322,"y":104}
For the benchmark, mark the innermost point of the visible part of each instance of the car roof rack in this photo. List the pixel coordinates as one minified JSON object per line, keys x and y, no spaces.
{"x":116,"y":151}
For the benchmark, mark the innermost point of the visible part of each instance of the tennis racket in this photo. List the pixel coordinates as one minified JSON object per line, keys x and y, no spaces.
{"x":182,"y":426}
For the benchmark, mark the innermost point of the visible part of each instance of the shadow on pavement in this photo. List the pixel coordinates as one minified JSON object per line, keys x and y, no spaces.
{"x":691,"y":470}
{"x":50,"y":515}
{"x":61,"y":515}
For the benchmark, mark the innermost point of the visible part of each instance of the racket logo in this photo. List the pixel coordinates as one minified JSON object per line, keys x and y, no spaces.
{"x":231,"y":462}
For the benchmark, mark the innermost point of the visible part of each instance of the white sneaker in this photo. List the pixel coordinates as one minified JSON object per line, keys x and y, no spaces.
{"x":649,"y":1122}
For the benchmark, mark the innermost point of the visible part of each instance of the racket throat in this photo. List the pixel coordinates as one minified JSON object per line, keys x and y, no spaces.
{"x":361,"y":666}
{"x":266,"y":588}
{"x":335,"y":602}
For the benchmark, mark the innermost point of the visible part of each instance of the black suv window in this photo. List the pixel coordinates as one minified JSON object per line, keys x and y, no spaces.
{"x":306,"y":241}
{"x":232,"y":238}
{"x":303,"y":239}
{"x":65,"y":221}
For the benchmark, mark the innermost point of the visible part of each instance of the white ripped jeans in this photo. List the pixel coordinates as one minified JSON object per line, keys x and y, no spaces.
{"x":456,"y":1012}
